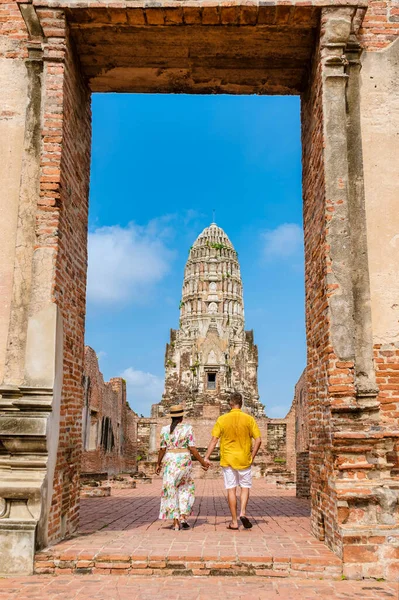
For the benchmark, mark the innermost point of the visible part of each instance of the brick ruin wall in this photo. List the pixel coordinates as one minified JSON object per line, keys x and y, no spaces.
{"x":109,"y":424}
{"x":302,"y":475}
{"x":372,"y":554}
{"x":317,"y":324}
{"x":62,"y":224}
{"x":302,"y":438}
{"x":379,"y":29}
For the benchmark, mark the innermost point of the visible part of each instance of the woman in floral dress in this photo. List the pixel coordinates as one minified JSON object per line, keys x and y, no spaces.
{"x":178,"y":490}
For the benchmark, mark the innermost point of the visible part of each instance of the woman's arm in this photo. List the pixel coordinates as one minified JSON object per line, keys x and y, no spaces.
{"x":161,"y":454}
{"x":198,"y":456}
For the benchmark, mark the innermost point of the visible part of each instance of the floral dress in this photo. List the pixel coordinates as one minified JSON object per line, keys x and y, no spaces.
{"x":178,"y":490}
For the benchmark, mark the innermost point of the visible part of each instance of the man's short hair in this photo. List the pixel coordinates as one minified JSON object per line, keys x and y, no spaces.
{"x":236,"y":399}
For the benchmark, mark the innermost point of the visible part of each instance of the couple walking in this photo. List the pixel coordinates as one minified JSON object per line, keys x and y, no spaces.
{"x":236,"y":430}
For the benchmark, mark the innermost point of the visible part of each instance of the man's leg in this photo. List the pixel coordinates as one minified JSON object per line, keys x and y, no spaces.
{"x":232,"y":500}
{"x":230,"y":483}
{"x":244,"y":501}
{"x":245,"y":482}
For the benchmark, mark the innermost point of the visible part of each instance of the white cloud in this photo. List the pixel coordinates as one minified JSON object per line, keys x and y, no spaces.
{"x":126,"y":262}
{"x":143,"y":389}
{"x":283,"y":242}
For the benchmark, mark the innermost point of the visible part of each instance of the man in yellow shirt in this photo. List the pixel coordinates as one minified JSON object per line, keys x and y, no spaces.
{"x":236,"y":430}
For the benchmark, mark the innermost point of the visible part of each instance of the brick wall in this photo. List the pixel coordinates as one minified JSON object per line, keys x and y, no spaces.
{"x":302,"y":475}
{"x":302,"y":438}
{"x":315,"y":219}
{"x":301,"y":415}
{"x":379,"y":29}
{"x":377,"y":555}
{"x":109,"y":424}
{"x":387,"y":376}
{"x":374,"y":554}
{"x":380,"y":26}
{"x":12,"y":27}
{"x":62,"y":226}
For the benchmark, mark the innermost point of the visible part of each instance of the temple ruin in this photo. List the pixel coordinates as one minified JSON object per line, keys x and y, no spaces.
{"x":109,"y":424}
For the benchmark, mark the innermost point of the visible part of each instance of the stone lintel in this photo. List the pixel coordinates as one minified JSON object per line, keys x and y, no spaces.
{"x":268,"y":50}
{"x":111,"y":5}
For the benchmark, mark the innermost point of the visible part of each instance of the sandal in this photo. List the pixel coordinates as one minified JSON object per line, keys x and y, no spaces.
{"x":184,"y":525}
{"x":232,"y":528}
{"x":176,"y":526}
{"x":246,"y":522}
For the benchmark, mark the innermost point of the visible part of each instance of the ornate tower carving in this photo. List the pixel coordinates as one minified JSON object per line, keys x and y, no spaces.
{"x":211,"y":354}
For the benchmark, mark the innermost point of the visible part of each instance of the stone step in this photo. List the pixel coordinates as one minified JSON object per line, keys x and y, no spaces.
{"x":100,"y":491}
{"x":122,"y":484}
{"x":210,"y":563}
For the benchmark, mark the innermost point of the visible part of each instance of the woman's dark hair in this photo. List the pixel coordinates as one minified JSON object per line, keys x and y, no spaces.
{"x":174,"y":424}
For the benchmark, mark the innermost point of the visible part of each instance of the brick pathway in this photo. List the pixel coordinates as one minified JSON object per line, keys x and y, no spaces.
{"x":87,"y":587}
{"x":122,"y":534}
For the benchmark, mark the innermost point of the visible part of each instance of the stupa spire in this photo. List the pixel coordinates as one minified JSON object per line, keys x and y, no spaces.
{"x":212,"y":286}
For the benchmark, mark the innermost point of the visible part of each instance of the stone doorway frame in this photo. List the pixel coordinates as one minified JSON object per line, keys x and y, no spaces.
{"x":41,"y":401}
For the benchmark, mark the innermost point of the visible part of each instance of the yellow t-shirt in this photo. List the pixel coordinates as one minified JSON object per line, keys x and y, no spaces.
{"x":236,"y":430}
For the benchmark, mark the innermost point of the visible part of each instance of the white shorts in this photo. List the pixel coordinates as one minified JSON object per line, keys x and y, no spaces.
{"x":234,"y":478}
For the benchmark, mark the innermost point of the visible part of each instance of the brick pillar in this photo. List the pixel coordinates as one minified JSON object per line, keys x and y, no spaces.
{"x":41,"y":393}
{"x":353,"y":492}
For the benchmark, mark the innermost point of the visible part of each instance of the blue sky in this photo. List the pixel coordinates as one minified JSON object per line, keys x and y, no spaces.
{"x":160,"y":164}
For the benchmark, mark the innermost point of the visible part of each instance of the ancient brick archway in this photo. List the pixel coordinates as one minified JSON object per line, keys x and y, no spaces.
{"x":54,"y":55}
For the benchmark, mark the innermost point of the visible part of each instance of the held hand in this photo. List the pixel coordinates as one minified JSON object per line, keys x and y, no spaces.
{"x":204,"y":466}
{"x":158,"y":469}
{"x":207,"y":462}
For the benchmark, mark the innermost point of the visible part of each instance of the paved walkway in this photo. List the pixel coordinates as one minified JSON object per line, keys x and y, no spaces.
{"x":273,"y":510}
{"x":122,"y":534}
{"x":89,"y":587}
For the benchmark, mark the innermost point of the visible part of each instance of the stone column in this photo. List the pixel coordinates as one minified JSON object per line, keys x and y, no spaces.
{"x":336,"y":26}
{"x":348,"y":275}
{"x":153,"y":438}
{"x":153,"y":443}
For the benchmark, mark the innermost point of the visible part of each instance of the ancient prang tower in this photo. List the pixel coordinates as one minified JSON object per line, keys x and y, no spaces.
{"x":211,"y":354}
